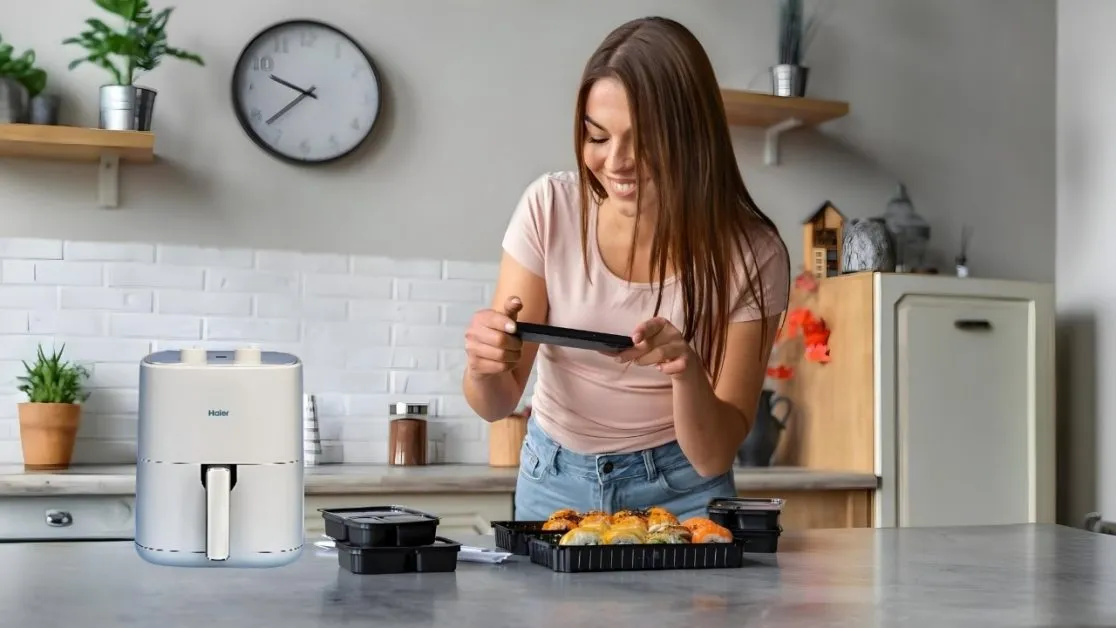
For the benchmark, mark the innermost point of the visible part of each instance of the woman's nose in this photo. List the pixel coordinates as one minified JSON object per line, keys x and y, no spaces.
{"x":620,"y":158}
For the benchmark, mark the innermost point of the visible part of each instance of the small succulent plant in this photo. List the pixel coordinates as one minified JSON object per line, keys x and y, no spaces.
{"x":52,"y":380}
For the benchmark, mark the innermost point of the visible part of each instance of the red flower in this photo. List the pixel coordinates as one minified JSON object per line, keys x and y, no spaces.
{"x":817,"y":353}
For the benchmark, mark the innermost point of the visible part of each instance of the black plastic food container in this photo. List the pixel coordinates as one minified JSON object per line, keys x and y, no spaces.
{"x":380,"y":526}
{"x":440,"y":556}
{"x":515,"y":536}
{"x":758,"y":541}
{"x":585,"y":558}
{"x":740,"y":514}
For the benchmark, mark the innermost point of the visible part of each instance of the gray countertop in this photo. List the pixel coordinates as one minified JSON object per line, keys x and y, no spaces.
{"x":370,"y":479}
{"x":980,"y":576}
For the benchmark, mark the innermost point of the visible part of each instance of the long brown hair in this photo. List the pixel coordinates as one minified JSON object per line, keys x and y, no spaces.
{"x":682,"y":141}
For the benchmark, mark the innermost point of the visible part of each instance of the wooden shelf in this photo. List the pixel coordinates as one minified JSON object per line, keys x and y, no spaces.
{"x":68,"y":143}
{"x":778,"y":114}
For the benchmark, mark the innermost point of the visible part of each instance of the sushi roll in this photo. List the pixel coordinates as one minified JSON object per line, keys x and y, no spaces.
{"x":559,"y":525}
{"x":630,"y":522}
{"x":625,"y":536}
{"x":670,"y":535}
{"x":625,"y":514}
{"x":582,"y":536}
{"x":658,"y":516}
{"x":566,"y":513}
{"x":711,"y":533}
{"x":595,"y":516}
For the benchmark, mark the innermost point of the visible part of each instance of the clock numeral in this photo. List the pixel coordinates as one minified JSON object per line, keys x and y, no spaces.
{"x":337,"y":50}
{"x":304,"y":147}
{"x":264,"y":63}
{"x":355,"y":124}
{"x":306,"y":39}
{"x":281,"y":45}
{"x":256,"y":114}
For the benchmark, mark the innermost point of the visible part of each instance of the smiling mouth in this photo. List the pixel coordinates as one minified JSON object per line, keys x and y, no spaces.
{"x":622,"y":187}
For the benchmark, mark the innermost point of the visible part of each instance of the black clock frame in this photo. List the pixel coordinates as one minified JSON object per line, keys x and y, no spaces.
{"x":246,"y":126}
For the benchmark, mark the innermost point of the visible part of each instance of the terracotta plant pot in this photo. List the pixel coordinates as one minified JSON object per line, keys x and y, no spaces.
{"x":47,"y":432}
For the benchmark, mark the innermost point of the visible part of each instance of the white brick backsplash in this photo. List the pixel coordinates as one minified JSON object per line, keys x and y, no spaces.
{"x":225,"y":280}
{"x":352,"y":286}
{"x":426,"y":383}
{"x":67,"y":323}
{"x":30,"y":248}
{"x":392,"y":358}
{"x":53,"y":272}
{"x":152,"y":276}
{"x":428,"y":336}
{"x":203,"y":303}
{"x":155,"y":326}
{"x":13,"y":322}
{"x":302,"y":262}
{"x":108,"y":252}
{"x":249,"y":329}
{"x":394,"y":312}
{"x":442,"y":290}
{"x":115,"y":299}
{"x":197,"y":256}
{"x":369,"y":331}
{"x":29,"y":297}
{"x":290,"y":306}
{"x":479,"y":271}
{"x":344,"y":332}
{"x":397,"y":268}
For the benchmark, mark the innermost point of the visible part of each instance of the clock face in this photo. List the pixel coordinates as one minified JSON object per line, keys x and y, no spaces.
{"x":305,"y":92}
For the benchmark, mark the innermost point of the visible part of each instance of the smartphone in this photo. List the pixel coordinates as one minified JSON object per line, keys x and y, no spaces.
{"x":573,"y":338}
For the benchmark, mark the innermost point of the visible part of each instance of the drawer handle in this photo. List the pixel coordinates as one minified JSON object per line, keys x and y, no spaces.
{"x":972,"y":325}
{"x":58,"y":518}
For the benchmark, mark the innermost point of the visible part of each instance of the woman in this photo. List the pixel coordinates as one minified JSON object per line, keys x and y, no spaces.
{"x":656,"y":237}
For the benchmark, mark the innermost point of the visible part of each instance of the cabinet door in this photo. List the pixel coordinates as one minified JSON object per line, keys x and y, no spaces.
{"x":963,"y":381}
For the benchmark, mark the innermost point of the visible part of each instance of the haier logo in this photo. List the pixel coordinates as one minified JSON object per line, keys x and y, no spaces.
{"x":218,"y":413}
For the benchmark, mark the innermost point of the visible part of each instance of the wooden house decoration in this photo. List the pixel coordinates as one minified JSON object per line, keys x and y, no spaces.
{"x":822,"y":235}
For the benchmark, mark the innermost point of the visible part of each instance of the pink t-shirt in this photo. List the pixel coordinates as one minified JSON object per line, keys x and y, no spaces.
{"x":586,"y":401}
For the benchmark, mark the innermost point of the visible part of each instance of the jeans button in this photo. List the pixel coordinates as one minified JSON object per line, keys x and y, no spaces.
{"x":607,"y":468}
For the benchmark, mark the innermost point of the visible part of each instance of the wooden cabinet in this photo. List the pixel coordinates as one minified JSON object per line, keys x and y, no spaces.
{"x":943,"y":387}
{"x":811,"y":510}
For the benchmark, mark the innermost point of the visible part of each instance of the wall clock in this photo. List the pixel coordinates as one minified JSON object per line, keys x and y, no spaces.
{"x":305,"y":92}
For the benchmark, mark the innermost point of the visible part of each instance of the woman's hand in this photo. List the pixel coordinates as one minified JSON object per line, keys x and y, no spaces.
{"x":658,"y":343}
{"x":489,"y":341}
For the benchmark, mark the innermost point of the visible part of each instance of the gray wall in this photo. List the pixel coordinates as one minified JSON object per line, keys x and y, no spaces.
{"x":955,"y":97}
{"x":1086,"y":219}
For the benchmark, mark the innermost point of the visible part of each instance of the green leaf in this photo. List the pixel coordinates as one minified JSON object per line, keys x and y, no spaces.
{"x":52,"y":380}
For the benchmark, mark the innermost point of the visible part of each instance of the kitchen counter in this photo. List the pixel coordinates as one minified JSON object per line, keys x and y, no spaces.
{"x":982,"y":576}
{"x":339,"y":479}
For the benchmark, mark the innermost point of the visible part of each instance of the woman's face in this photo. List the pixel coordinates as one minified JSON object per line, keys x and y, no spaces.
{"x":609,"y":150}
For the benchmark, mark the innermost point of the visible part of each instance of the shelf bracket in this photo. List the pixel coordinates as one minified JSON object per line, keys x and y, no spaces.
{"x":108,"y":180}
{"x":771,"y":139}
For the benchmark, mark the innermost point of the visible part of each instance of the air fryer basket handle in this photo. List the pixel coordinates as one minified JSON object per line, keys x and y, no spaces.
{"x":218,"y":489}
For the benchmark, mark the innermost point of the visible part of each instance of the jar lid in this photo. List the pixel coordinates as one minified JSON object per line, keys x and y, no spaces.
{"x":403,"y":408}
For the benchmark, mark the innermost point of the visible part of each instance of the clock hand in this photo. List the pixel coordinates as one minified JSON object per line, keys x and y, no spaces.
{"x":294,"y":87}
{"x":291,"y":104}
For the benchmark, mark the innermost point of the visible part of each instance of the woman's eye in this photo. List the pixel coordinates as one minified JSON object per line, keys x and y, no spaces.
{"x":598,"y":140}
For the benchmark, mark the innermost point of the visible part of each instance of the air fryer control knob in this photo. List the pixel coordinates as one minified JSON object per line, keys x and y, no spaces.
{"x":193,"y":355}
{"x":247,"y":355}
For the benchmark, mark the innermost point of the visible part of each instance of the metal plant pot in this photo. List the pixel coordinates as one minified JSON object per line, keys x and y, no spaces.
{"x":13,"y":101}
{"x":44,"y":109}
{"x":126,"y":107}
{"x":789,"y":80}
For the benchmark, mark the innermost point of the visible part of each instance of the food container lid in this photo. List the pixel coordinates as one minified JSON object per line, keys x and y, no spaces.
{"x":409,"y":409}
{"x":746,"y":504}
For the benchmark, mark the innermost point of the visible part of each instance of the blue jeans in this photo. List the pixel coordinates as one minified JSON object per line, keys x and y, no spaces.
{"x":552,"y":477}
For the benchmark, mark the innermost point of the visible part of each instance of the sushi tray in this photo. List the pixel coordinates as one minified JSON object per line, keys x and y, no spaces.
{"x":631,"y":540}
{"x":515,"y":536}
{"x":389,"y":540}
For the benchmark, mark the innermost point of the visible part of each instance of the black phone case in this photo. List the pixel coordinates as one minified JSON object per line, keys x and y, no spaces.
{"x":573,"y":338}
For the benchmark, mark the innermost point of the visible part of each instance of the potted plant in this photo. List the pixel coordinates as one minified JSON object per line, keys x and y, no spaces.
{"x":20,"y":82}
{"x":49,"y":419}
{"x":788,"y":77}
{"x":138,"y":47}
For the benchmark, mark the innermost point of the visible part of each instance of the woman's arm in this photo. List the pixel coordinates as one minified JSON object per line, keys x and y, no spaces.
{"x":711,"y":423}
{"x":494,"y":397}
